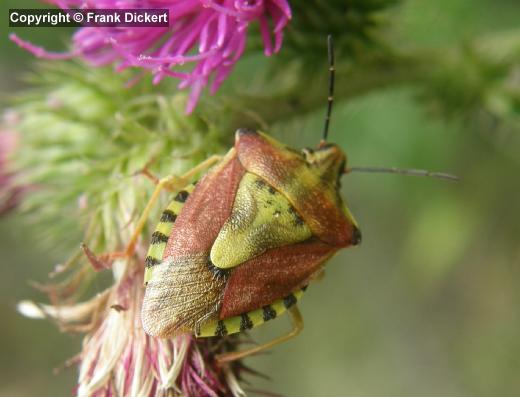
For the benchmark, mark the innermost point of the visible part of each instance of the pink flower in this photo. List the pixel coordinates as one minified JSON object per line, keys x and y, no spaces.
{"x":211,"y":34}
{"x":10,"y":192}
{"x":119,"y":359}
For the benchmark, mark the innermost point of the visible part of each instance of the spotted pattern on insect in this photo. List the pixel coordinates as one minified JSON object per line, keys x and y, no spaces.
{"x":163,"y":230}
{"x":245,"y":322}
{"x":149,"y":262}
{"x":262,"y":218}
{"x":158,"y":237}
{"x":182,"y":196}
{"x":221,"y":329}
{"x":268,"y":313}
{"x":168,"y":216}
{"x":250,"y":319}
{"x":289,"y":301}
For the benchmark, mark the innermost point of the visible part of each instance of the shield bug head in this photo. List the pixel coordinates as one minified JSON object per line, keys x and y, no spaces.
{"x":329,"y":160}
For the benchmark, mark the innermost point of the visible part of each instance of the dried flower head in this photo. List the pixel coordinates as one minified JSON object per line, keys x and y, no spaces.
{"x":119,"y":359}
{"x":90,"y":174}
{"x":210,"y":34}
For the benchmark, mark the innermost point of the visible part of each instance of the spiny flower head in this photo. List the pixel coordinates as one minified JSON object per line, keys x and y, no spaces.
{"x":119,"y":359}
{"x":211,"y":34}
{"x":95,"y":138}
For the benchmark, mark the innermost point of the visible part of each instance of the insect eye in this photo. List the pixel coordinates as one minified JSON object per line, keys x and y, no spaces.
{"x":342,"y":168}
{"x":307,"y":153}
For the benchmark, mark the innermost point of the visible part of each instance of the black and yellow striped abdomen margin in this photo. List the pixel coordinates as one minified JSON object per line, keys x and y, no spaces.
{"x":250,"y":319}
{"x":163,"y":230}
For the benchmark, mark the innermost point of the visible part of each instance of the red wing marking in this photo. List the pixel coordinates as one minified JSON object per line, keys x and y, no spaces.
{"x":272,"y":275}
{"x":206,"y":210}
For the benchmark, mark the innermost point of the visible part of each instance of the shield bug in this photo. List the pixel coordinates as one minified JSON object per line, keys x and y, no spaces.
{"x":239,"y":248}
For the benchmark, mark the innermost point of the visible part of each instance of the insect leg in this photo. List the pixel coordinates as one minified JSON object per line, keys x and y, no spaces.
{"x":146,"y":172}
{"x":172,"y":183}
{"x":297,"y":323}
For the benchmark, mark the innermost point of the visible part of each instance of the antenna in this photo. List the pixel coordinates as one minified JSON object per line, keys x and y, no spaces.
{"x":390,"y":170}
{"x":330,"y":98}
{"x":404,"y":171}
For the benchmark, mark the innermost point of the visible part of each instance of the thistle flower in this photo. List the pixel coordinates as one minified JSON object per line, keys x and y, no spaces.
{"x":211,"y":34}
{"x":10,"y":192}
{"x":89,"y":173}
{"x":119,"y":359}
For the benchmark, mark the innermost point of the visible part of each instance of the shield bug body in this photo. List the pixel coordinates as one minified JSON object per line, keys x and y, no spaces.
{"x":239,"y":248}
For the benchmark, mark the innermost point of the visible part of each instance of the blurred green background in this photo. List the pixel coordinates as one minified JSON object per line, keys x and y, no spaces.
{"x":428,"y":305}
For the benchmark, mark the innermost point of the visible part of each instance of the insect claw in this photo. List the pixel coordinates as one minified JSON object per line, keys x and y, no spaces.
{"x":146,"y":172}
{"x":98,"y":263}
